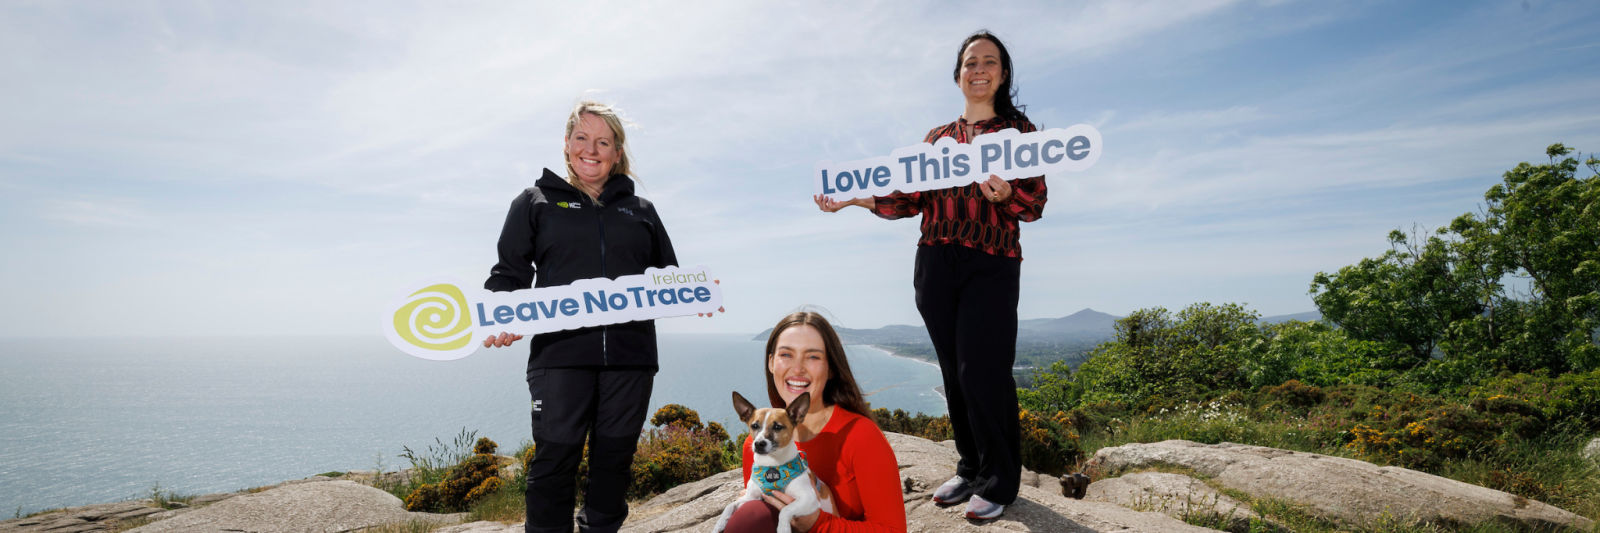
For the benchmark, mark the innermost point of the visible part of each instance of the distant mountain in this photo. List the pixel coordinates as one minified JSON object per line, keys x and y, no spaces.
{"x":1083,"y":326}
{"x":1308,"y":316}
{"x":1087,"y":325}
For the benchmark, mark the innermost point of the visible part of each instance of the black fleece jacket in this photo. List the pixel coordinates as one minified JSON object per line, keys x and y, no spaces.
{"x":561,"y":231}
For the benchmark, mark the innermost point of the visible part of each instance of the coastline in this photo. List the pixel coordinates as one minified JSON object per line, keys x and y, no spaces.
{"x":939,"y":389}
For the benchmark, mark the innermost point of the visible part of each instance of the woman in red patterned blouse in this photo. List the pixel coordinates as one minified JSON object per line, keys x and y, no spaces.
{"x":967,"y":274}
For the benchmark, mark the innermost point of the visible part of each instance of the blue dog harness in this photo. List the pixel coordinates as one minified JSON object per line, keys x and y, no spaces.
{"x":776,"y":478}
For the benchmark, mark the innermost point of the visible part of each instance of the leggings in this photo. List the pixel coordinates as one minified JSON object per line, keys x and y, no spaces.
{"x":968,"y":299}
{"x":606,"y":406}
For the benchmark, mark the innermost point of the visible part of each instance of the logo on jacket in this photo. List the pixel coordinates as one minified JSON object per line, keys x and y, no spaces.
{"x":569,"y":205}
{"x":626,"y":210}
{"x":435,"y":318}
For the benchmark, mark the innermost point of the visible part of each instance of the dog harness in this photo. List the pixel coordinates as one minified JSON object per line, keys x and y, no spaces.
{"x":778,"y":477}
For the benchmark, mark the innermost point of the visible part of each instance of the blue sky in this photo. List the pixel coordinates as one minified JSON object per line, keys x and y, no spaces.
{"x":193,"y":168}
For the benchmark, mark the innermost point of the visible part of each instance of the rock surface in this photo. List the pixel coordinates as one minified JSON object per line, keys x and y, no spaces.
{"x":1174,"y":495}
{"x":1345,"y":490}
{"x":300,"y":507}
{"x":694,"y":507}
{"x":1592,"y":451}
{"x":89,"y":518}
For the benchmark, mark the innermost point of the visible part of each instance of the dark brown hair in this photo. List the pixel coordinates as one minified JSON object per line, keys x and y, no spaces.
{"x":1005,"y":95}
{"x":841,"y":388}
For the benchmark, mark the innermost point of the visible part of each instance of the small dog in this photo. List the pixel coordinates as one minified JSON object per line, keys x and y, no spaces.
{"x":778,"y":464}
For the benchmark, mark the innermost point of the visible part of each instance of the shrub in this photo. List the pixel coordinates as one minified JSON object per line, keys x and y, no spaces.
{"x":934,"y":428}
{"x":1567,"y":398}
{"x":677,"y":416}
{"x":1047,"y":447}
{"x":467,"y":481}
{"x":673,"y":456}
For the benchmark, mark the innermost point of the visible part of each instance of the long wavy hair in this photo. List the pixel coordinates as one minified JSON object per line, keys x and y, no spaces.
{"x":841,"y":388}
{"x":1005,"y":95}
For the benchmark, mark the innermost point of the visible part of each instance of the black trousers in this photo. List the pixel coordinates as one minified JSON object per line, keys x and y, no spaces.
{"x":968,"y":299}
{"x":605,"y":406}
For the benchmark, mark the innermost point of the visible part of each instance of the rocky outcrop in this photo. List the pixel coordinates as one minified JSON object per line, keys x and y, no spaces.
{"x":1339,"y":489}
{"x":1174,"y":495}
{"x":924,"y":464}
{"x":304,"y":507}
{"x":86,"y":519}
{"x":1592,"y":451}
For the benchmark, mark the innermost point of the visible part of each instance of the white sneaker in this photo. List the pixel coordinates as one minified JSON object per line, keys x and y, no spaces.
{"x":981,"y":509}
{"x":953,"y":492}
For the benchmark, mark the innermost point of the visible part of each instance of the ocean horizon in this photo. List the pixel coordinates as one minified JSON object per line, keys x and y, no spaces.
{"x":95,"y":420}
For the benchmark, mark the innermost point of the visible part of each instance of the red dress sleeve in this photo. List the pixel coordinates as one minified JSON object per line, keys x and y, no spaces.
{"x":868,"y":456}
{"x":897,"y":205}
{"x":749,"y":456}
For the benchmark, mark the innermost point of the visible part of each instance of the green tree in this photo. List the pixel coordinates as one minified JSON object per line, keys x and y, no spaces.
{"x":1445,"y":299}
{"x":1164,"y":357}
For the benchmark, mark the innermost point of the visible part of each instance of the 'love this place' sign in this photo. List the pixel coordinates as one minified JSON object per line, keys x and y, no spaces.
{"x":441,"y":318}
{"x":946,"y":163}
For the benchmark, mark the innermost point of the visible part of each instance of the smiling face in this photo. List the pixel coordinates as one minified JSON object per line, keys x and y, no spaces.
{"x":799,"y":364}
{"x":981,"y":73}
{"x":591,"y":151}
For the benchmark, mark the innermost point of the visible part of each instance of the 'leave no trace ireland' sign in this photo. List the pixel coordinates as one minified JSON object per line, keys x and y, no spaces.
{"x":441,"y":318}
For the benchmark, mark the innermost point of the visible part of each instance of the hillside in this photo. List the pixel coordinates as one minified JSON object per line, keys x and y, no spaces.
{"x":1040,"y":341}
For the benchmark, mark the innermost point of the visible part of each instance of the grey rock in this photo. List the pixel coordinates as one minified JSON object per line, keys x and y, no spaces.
{"x":136,"y":513}
{"x":695,"y":507}
{"x":1592,"y":451}
{"x":1174,"y":495}
{"x":481,"y":527}
{"x":62,"y":523}
{"x":1335,"y":488}
{"x":208,"y":499}
{"x":306,"y":507}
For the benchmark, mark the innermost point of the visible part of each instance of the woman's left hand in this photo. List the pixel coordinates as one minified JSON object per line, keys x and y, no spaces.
{"x":719,"y":309}
{"x":779,"y":500}
{"x":995,"y":189}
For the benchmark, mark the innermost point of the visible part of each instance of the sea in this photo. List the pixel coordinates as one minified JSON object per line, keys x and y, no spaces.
{"x":93,"y":420}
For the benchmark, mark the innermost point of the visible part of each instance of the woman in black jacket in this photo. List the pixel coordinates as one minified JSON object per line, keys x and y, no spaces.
{"x":591,"y":383}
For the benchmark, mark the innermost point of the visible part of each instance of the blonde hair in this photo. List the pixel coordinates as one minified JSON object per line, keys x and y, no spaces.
{"x":613,"y":118}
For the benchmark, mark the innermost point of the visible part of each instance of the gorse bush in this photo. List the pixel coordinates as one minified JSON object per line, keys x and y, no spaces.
{"x":468,"y":481}
{"x":674,"y":415}
{"x":934,"y":428}
{"x":681,"y":449}
{"x":1049,"y":446}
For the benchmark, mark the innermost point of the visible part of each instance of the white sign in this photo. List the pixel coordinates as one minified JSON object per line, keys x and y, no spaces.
{"x":946,"y":163}
{"x":437,"y":318}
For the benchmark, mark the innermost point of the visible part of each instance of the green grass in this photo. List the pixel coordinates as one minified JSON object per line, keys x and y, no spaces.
{"x":334,"y":473}
{"x":165,"y":498}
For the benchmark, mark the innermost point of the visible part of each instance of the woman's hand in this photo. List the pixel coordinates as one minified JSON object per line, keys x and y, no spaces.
{"x":503,"y":339}
{"x":800,"y":523}
{"x":832,"y":206}
{"x":995,"y":189}
{"x":719,"y":309}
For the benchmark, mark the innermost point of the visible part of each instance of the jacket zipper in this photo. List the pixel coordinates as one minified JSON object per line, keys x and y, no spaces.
{"x":599,"y":217}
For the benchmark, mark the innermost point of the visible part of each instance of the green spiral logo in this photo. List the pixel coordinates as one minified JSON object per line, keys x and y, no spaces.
{"x":435,"y":318}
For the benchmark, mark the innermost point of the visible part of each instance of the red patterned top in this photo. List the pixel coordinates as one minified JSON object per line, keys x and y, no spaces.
{"x":962,"y":215}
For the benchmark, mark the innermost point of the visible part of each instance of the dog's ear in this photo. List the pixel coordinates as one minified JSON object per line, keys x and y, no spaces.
{"x":743,"y":407}
{"x":798,"y":408}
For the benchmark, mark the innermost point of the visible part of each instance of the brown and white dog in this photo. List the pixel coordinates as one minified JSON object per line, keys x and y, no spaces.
{"x":778,"y":464}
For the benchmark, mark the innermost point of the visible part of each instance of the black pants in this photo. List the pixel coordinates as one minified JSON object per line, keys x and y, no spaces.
{"x":968,"y":299}
{"x":606,"y":406}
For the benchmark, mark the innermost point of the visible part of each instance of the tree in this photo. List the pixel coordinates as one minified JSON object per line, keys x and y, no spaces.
{"x":1446,"y":299}
{"x":1160,"y":356}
